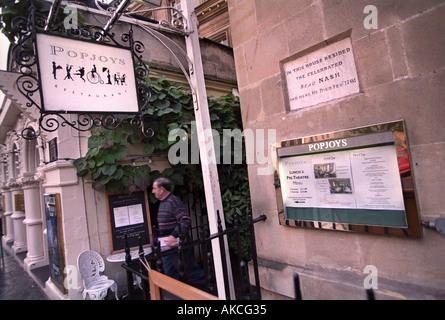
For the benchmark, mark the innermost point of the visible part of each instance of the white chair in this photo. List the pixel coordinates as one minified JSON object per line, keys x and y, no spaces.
{"x":90,"y":264}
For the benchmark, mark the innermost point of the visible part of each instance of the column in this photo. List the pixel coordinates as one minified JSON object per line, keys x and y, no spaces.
{"x":35,"y":257}
{"x":9,"y":235}
{"x":18,"y":215}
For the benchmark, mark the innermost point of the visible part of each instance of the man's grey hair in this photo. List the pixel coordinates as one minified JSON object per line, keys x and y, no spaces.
{"x":163,"y":182}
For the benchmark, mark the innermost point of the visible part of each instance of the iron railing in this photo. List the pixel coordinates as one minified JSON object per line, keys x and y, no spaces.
{"x":202,"y":244}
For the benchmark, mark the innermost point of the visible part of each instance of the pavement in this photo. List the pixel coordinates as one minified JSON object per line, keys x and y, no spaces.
{"x":15,"y":283}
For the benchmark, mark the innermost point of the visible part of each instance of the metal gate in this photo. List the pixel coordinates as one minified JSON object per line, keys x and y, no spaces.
{"x":201,"y":244}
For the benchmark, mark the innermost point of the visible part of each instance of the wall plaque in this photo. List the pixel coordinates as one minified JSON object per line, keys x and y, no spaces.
{"x":323,"y":75}
{"x":19,"y":202}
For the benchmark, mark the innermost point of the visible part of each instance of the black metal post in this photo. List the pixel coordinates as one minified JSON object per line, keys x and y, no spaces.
{"x":297,"y":287}
{"x":181,"y":257}
{"x":254,"y":254}
{"x":222,"y":249}
{"x":157,"y":251}
{"x":210,"y":278}
{"x":203,"y":245}
{"x":1,"y":243}
{"x":237,"y":229}
{"x":129,"y":274}
{"x":144,"y":271}
{"x":370,"y":294}
{"x":245,"y":282}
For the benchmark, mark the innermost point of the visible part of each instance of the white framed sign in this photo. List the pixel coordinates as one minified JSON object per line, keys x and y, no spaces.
{"x":83,"y":77}
{"x":356,"y":179}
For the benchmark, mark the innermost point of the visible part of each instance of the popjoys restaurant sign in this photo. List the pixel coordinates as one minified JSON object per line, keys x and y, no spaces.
{"x":79,"y":76}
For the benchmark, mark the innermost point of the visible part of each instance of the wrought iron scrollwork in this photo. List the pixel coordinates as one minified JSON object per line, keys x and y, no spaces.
{"x":30,"y":133}
{"x":50,"y":122}
{"x":29,"y":84}
{"x":24,"y":56}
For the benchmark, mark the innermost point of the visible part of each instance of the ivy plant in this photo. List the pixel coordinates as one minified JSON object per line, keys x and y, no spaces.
{"x":171,"y":107}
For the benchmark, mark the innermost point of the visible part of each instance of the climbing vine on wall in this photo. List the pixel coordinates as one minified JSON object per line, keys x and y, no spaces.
{"x":171,"y":107}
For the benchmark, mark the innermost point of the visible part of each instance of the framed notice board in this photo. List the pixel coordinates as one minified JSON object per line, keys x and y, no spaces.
{"x":53,"y":213}
{"x":128,"y":214}
{"x":353,"y":180}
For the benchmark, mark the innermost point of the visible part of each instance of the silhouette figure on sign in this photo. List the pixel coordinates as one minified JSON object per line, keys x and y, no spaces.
{"x":94,"y":77}
{"x":68,"y":72}
{"x":55,"y":68}
{"x":81,"y":73}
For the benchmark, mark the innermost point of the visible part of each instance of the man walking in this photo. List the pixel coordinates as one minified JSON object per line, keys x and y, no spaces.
{"x":173,"y":222}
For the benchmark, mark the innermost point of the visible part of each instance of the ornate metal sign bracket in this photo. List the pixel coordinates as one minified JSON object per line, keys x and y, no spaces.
{"x":29,"y":83}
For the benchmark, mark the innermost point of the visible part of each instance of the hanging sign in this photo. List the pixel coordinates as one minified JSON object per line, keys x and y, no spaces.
{"x":81,"y":76}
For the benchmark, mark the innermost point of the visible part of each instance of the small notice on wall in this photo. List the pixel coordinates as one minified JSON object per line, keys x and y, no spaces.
{"x":128,"y":215}
{"x":323,"y":75}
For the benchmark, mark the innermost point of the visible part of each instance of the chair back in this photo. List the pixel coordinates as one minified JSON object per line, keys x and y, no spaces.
{"x":90,"y":264}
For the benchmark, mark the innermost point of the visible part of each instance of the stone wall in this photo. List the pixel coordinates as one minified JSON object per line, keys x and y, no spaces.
{"x":401,"y":72}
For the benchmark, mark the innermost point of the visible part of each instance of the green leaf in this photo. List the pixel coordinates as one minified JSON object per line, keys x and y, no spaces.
{"x":167,"y":172}
{"x":162,"y":104}
{"x":176,"y":94}
{"x":164,"y":111}
{"x":92,"y":152}
{"x":135,"y":138}
{"x":120,"y":152}
{"x":103,"y":180}
{"x":176,"y":107}
{"x":149,"y":149}
{"x":96,"y":142}
{"x":161,"y":79}
{"x":108,"y":170}
{"x":118,"y":137}
{"x":114,"y":186}
{"x":142,"y":177}
{"x":77,"y":162}
{"x":118,"y":174}
{"x":82,"y":173}
{"x":109,"y":158}
{"x":91,"y":164}
{"x":100,"y":160}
